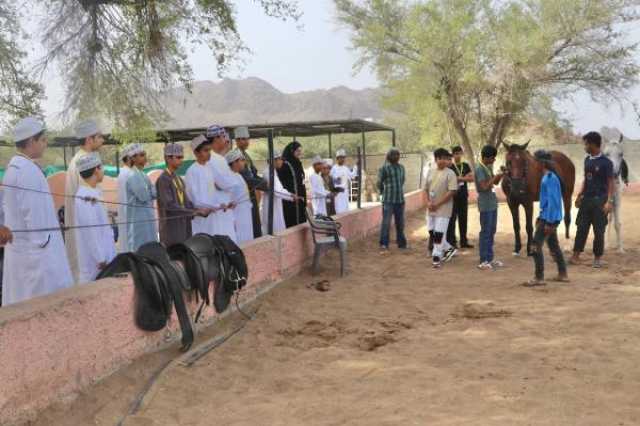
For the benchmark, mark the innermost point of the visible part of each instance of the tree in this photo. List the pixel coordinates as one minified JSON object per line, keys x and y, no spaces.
{"x":20,"y":94}
{"x":483,"y":63}
{"x":117,"y":56}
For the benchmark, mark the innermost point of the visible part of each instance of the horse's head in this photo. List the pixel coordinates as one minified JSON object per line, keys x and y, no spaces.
{"x":615,"y":152}
{"x":516,"y":160}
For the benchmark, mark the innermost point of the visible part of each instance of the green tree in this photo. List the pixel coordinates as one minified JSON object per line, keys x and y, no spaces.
{"x":117,"y":56}
{"x":483,"y":63}
{"x":20,"y":94}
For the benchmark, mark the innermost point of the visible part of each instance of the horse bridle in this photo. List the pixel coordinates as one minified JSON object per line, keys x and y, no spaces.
{"x":521,"y":180}
{"x":524,"y":172}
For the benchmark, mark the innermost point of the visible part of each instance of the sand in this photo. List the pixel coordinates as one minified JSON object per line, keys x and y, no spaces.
{"x":398,"y":343}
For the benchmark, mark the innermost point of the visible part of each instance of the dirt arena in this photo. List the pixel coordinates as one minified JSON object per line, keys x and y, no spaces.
{"x":398,"y":343}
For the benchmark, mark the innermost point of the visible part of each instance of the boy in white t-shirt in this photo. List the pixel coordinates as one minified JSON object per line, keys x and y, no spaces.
{"x":441,"y":186}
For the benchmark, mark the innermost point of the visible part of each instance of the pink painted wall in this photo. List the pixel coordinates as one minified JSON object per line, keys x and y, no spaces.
{"x":57,"y":345}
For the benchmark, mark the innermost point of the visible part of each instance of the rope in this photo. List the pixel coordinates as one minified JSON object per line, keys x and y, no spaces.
{"x":88,"y":199}
{"x":96,"y":200}
{"x":66,"y":228}
{"x":245,"y":199}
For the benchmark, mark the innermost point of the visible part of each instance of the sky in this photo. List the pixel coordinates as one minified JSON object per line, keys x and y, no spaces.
{"x":318,"y":56}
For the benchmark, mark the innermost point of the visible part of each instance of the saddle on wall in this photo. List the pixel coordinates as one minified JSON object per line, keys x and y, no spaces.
{"x":161,"y":276}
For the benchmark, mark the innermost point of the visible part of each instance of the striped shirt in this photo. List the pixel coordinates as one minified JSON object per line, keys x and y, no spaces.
{"x":391,"y":183}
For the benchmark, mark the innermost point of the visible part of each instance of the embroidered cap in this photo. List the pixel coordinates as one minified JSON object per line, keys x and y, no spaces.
{"x":234,"y":155}
{"x":197,"y":141}
{"x":241,"y":132}
{"x":135,"y":148}
{"x":173,"y":149}
{"x":27,"y":128}
{"x":86,"y":129}
{"x":88,"y":162}
{"x":214,"y":131}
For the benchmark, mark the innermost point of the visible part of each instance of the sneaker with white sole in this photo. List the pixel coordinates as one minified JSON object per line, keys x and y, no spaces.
{"x":449,"y":254}
{"x":485,"y":266}
{"x":497,"y":264}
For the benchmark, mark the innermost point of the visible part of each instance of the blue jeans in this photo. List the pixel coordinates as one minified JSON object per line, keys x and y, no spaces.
{"x":488,"y":226}
{"x":397,"y":210}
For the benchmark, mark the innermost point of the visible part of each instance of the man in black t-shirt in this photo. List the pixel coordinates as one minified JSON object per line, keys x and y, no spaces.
{"x":595,"y":199}
{"x":460,"y":200}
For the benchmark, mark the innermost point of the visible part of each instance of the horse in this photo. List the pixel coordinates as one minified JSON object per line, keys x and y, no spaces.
{"x":614,"y":151}
{"x":521,"y":186}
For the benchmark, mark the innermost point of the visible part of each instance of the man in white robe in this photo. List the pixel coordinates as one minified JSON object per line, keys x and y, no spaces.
{"x":342,"y":177}
{"x":35,"y":263}
{"x":96,"y":247}
{"x":224,"y":183}
{"x":243,"y":211}
{"x":279,"y":193}
{"x":123,"y":175}
{"x":319,"y":194}
{"x":141,"y":193}
{"x":91,"y":140}
{"x":200,"y":188}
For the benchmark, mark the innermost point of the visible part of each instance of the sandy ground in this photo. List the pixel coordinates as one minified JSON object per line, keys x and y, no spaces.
{"x":398,"y":343}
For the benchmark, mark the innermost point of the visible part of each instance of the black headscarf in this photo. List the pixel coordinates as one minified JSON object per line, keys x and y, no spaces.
{"x":284,"y":173}
{"x":291,"y":175}
{"x":289,"y":155}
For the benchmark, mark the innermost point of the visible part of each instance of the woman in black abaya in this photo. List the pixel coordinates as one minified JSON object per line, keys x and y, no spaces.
{"x":291,"y":176}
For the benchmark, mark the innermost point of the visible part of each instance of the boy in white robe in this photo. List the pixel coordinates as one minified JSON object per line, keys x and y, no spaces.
{"x":200,"y":188}
{"x":243,"y":211}
{"x":319,"y":194}
{"x":123,"y":175}
{"x":96,"y":247}
{"x":342,"y":177}
{"x":35,"y":263}
{"x":279,"y":194}
{"x":224,"y":183}
{"x":90,"y":135}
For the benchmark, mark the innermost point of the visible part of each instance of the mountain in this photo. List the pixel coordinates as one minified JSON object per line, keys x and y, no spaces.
{"x":254,"y":101}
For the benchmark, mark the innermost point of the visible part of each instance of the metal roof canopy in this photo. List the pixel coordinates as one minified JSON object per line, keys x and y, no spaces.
{"x":257,"y":131}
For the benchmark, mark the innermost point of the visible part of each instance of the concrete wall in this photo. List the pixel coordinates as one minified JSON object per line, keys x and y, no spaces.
{"x":54,"y":346}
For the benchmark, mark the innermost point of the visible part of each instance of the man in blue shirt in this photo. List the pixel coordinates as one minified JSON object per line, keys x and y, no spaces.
{"x":595,"y":199}
{"x":548,"y":221}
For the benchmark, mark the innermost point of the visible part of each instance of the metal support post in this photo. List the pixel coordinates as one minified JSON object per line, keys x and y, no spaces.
{"x":271,"y":181}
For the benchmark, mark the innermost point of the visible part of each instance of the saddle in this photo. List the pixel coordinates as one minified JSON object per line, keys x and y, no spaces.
{"x":161,"y":276}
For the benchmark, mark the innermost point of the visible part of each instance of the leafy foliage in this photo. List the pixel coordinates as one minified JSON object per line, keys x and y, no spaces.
{"x":117,"y":56}
{"x":482,"y":64}
{"x":20,"y":94}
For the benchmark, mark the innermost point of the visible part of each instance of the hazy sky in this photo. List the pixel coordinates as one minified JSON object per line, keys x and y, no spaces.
{"x":318,"y":57}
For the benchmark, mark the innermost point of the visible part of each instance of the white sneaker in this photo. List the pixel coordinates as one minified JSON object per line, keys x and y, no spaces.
{"x":497,"y":264}
{"x":485,"y":266}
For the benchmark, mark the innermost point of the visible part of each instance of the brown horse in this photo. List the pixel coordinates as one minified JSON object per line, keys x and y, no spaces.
{"x":521,"y":185}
